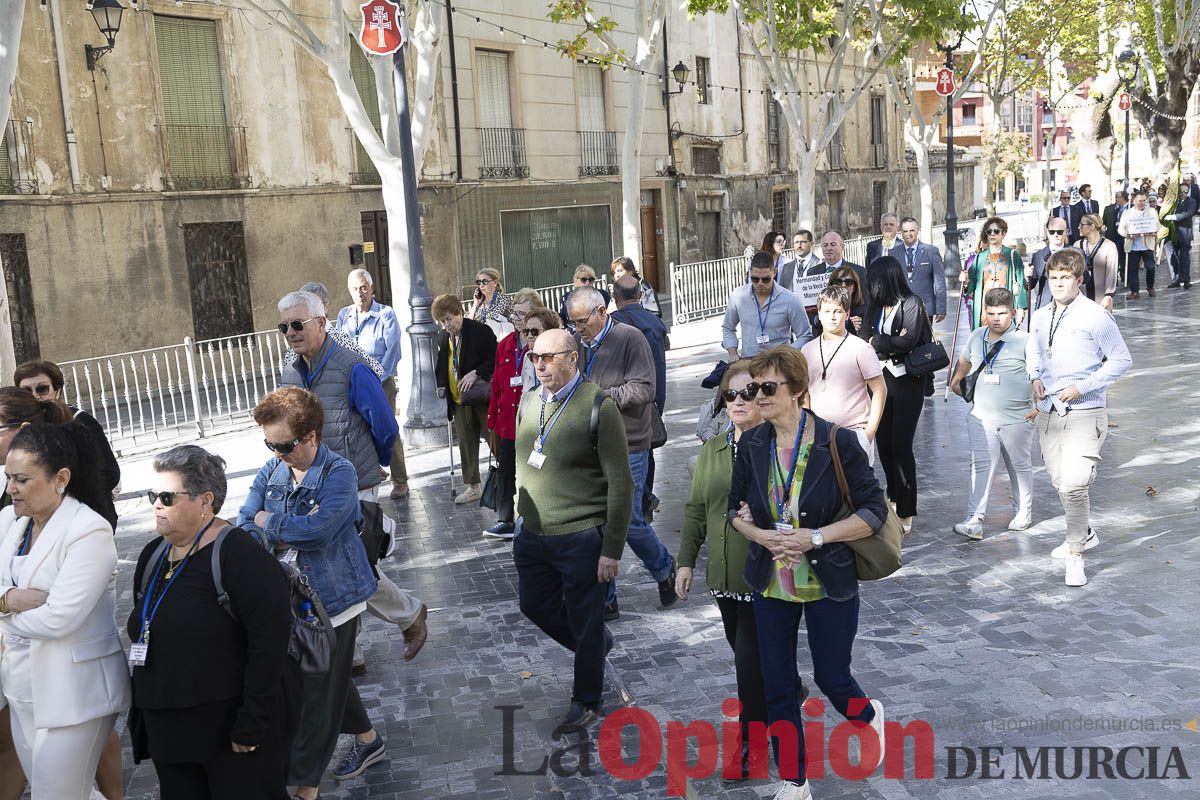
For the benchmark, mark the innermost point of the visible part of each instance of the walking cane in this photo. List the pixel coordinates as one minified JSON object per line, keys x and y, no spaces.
{"x":441,"y":393}
{"x":962,"y":298}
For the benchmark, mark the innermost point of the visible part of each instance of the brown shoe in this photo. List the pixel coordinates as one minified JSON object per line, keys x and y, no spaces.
{"x":1152,"y":293}
{"x":415,"y":635}
{"x":1133,"y":296}
{"x":400,"y":489}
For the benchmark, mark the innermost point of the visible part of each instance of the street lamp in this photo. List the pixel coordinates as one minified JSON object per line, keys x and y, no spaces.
{"x":107,"y":14}
{"x":680,"y":73}
{"x":953,"y":259}
{"x":1128,"y":65}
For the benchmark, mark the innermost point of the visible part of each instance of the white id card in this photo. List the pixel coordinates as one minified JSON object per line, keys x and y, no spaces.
{"x":536,"y":459}
{"x":763,"y":339}
{"x":897,"y":370}
{"x":991,"y":379}
{"x":289,"y":556}
{"x":138,"y":653}
{"x":514,"y":380}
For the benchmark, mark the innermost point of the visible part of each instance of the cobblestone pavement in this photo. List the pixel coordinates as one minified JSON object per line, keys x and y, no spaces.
{"x":980,"y":639}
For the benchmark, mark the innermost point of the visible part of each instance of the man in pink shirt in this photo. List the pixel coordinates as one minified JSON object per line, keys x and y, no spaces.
{"x":846,"y":383}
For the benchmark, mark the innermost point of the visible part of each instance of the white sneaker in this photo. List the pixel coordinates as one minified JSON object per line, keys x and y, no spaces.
{"x":790,"y":791}
{"x":1075,"y":573}
{"x":1064,"y":549}
{"x":877,"y":726}
{"x":971,"y":527}
{"x":469,"y":494}
{"x":1021,"y":522}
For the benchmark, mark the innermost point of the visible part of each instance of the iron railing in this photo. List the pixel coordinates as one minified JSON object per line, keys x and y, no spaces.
{"x":552,"y":296}
{"x":16,"y":158}
{"x":597,"y":153}
{"x":204,"y":157}
{"x":365,"y":173}
{"x":182,"y":391}
{"x":502,"y":154}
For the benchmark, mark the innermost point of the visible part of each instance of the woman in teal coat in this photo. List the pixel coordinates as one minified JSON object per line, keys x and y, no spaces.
{"x":994,"y":266}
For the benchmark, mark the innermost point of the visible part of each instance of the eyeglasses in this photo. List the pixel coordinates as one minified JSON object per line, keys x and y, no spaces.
{"x":994,"y":231}
{"x":587,"y":280}
{"x":547,"y":357}
{"x":531,"y":333}
{"x":283,"y":448}
{"x":296,"y":325}
{"x":1085,"y":222}
{"x":746,"y":394}
{"x":756,"y":279}
{"x":41,"y":390}
{"x":574,"y":324}
{"x":166,"y":498}
{"x":482,"y":281}
{"x":1057,"y":231}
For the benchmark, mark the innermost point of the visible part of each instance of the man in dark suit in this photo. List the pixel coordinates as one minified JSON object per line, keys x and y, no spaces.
{"x":1065,"y":211}
{"x":1185,"y":213}
{"x":1086,"y":204}
{"x":889,"y":223}
{"x":923,"y":266}
{"x":802,"y":259}
{"x":1111,"y":218}
{"x":1035,"y":271}
{"x":832,"y":245}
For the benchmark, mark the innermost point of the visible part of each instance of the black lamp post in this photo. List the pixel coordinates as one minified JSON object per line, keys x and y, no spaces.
{"x":680,"y":73}
{"x":953,"y":261}
{"x":1127,"y":68}
{"x":107,"y":14}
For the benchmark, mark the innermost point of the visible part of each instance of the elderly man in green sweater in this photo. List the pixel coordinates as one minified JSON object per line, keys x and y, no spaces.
{"x":574,"y":497}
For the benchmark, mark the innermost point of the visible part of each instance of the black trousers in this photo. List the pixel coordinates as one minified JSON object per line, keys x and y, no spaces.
{"x":1134,"y":258}
{"x":261,"y":775}
{"x":897,"y":429}
{"x":506,"y":464}
{"x":741,"y":632}
{"x":1183,"y":256}
{"x":558,"y":592}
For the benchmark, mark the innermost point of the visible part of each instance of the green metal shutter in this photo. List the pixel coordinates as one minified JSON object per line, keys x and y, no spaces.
{"x":198,"y":137}
{"x":364,"y":81}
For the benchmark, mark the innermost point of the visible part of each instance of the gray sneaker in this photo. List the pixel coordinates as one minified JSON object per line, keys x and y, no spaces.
{"x":971,"y":527}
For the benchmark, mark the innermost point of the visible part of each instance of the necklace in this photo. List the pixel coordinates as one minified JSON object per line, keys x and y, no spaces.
{"x":825,"y":364}
{"x":171,"y":567}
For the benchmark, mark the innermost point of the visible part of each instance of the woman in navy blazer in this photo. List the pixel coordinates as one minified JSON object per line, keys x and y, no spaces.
{"x":785,"y":498}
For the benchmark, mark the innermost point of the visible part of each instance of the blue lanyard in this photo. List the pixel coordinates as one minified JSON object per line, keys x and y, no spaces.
{"x":543,"y":427}
{"x":308,"y":382}
{"x":988,"y":362}
{"x":763,"y":314}
{"x":149,"y":613}
{"x":781,"y":504}
{"x":23,"y":548}
{"x":358,"y":326}
{"x":1092,"y":255}
{"x":590,"y":350}
{"x":519,"y":366}
{"x":455,"y":341}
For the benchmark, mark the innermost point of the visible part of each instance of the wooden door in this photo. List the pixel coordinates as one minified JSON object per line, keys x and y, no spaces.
{"x":649,"y":263}
{"x":376,"y":262}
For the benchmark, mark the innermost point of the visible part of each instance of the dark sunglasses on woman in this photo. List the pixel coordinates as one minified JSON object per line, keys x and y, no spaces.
{"x":282,"y":448}
{"x":167,"y":498}
{"x":994,"y":231}
{"x":842,"y":282}
{"x":751,"y":391}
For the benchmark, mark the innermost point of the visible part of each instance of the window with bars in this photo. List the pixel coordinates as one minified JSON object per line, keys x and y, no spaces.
{"x":364,"y":80}
{"x":837,"y":151}
{"x":776,"y":149}
{"x":201,"y":148}
{"x":703,"y":94}
{"x":878,"y":199}
{"x":706,"y":160}
{"x":779,"y":210}
{"x":501,"y":146}
{"x":837,"y":210}
{"x":219,"y":278}
{"x":879,"y":131}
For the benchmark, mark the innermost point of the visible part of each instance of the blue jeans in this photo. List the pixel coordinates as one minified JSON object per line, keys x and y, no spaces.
{"x":558,"y":592}
{"x":642,"y":539}
{"x":831,"y":629}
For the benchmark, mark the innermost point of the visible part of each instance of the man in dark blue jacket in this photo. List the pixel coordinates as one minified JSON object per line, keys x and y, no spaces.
{"x":1185,"y":212}
{"x":627,"y":295}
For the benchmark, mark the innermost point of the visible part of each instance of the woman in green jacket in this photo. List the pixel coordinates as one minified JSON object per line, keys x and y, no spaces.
{"x":994,"y":266}
{"x":705,"y":518}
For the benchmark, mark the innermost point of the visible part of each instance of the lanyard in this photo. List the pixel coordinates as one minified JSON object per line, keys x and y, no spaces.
{"x":308,"y":382}
{"x":590,"y":350}
{"x":519,"y":366}
{"x":781,"y":503}
{"x":1055,"y":326}
{"x":545,"y":428}
{"x":359,"y":322}
{"x":763,"y":315}
{"x":1092,"y":255}
{"x":454,"y":353}
{"x":988,"y":362}
{"x":23,"y":548}
{"x":148,"y":613}
{"x":821,"y":347}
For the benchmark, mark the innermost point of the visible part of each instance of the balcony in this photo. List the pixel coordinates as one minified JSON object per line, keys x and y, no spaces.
{"x":16,"y":159}
{"x":837,"y":154}
{"x":365,"y":173}
{"x":204,"y":157}
{"x":597,"y":153}
{"x":502,"y":153}
{"x":879,"y":154}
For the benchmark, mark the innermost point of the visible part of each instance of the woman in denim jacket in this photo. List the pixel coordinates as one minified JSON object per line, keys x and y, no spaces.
{"x":304,"y":503}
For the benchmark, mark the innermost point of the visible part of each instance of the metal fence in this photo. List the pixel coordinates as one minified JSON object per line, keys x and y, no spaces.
{"x":700,"y":290}
{"x":552,"y":296}
{"x":183,"y":391}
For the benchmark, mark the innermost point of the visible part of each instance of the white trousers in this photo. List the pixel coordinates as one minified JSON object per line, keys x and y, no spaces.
{"x":989,"y":444}
{"x":60,"y":763}
{"x":1071,"y":447}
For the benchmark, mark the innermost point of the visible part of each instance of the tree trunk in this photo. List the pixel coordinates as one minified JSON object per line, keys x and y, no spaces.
{"x":12,"y":15}
{"x":631,"y":179}
{"x":806,"y":188}
{"x":923,"y":191}
{"x":989,"y":172}
{"x":427,"y":47}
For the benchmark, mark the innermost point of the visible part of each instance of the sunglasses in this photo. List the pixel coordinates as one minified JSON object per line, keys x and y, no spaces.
{"x":296,"y":325}
{"x":729,"y":395}
{"x":41,"y":390}
{"x":482,"y":281}
{"x":531,"y":333}
{"x":768,"y":388}
{"x":283,"y":448}
{"x":1056,"y":232}
{"x":842,"y":282}
{"x":548,"y":357}
{"x":587,"y":280}
{"x":994,"y":231}
{"x":166,"y":498}
{"x":754,"y":279}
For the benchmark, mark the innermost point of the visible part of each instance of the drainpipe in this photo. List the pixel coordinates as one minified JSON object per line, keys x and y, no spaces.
{"x":671,"y":149}
{"x":458,"y":160}
{"x":61,"y":56}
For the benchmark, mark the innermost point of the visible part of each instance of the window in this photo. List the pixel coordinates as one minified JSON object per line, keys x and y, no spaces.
{"x":591,"y":98}
{"x":200,"y":145}
{"x":776,"y":151}
{"x":502,"y":147}
{"x":837,"y":151}
{"x":20,"y":296}
{"x":779,"y":211}
{"x":1048,"y":117}
{"x":878,"y":131}
{"x":702,"y":78}
{"x":837,"y":210}
{"x":968,"y":115}
{"x":364,"y":80}
{"x":878,"y":199}
{"x":1024,"y":116}
{"x":220,"y":283}
{"x":708,"y":232}
{"x":706,"y":160}
{"x":17,"y":158}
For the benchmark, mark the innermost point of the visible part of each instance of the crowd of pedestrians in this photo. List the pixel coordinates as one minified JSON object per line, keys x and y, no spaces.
{"x":819,"y":382}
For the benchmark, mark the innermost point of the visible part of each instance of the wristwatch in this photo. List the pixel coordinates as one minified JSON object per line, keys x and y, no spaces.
{"x":817,"y":538}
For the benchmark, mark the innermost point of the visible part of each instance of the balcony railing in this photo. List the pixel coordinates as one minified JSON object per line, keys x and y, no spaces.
{"x":16,"y":159}
{"x":837,"y":154}
{"x":502,"y":151}
{"x":365,"y":173}
{"x":597,"y":153}
{"x":879,"y":153}
{"x":200,"y":157}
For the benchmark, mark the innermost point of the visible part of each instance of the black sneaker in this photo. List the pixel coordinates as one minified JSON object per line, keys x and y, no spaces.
{"x":666,"y":588}
{"x":576,"y":719}
{"x":501,"y":530}
{"x":359,"y":758}
{"x":611,"y":611}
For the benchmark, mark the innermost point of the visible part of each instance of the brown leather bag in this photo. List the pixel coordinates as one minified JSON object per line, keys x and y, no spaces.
{"x":878,"y":555}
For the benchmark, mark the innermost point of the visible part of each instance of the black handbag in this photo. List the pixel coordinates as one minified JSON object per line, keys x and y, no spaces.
{"x":969,"y":381}
{"x":927,"y":358}
{"x":490,"y":497}
{"x":658,"y":429}
{"x":480,"y":394}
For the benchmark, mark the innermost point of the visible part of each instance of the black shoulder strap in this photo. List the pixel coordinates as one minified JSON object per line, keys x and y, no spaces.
{"x":222,"y":595}
{"x":147,"y":571}
{"x":594,"y":423}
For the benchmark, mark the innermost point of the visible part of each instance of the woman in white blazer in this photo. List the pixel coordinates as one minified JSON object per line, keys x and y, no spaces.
{"x":62,"y":666}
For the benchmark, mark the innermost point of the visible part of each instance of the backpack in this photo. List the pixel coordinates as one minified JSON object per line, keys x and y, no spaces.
{"x":312,"y":641}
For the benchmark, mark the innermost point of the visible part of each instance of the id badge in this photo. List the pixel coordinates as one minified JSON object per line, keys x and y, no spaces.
{"x":763,"y":339}
{"x":783,"y":526}
{"x":514,"y":381}
{"x":289,"y":556}
{"x":537,"y":459}
{"x":138,"y":652}
{"x":897,"y":370}
{"x":991,"y":379}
